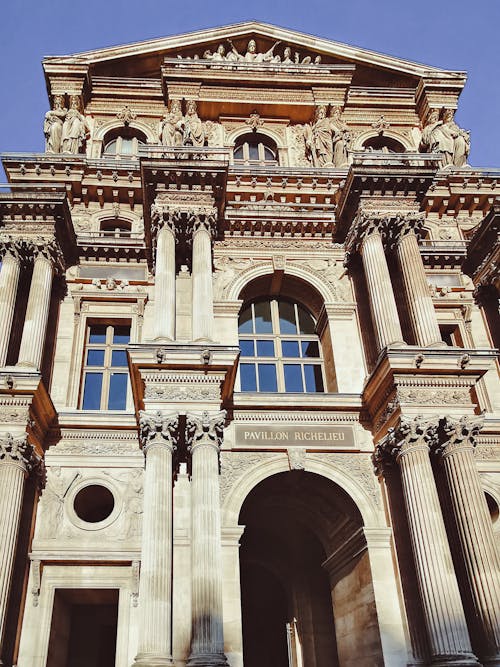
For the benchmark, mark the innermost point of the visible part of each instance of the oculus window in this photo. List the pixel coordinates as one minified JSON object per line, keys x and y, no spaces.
{"x":105,"y":369}
{"x":280,"y":350}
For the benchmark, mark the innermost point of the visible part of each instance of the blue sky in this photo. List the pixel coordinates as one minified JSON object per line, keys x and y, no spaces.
{"x":453,"y":34}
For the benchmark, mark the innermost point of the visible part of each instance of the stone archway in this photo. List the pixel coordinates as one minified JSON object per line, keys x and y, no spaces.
{"x":306,"y":583}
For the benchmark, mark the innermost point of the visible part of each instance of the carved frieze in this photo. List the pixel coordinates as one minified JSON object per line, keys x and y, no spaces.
{"x":236,"y":465}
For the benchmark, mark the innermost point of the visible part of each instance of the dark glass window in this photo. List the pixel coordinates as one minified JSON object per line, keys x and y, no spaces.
{"x":280,"y":351}
{"x":105,"y":371}
{"x":255,"y":148}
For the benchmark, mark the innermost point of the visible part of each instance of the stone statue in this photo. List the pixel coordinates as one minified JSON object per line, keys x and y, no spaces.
{"x":340,"y":139}
{"x":214,"y":133}
{"x":318,"y":138}
{"x":193,"y":133}
{"x":74,"y":128}
{"x":460,"y":137}
{"x":251,"y":55}
{"x":53,"y":125}
{"x":170,"y":130}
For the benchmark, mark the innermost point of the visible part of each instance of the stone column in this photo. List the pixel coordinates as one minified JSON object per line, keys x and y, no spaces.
{"x":442,"y":606}
{"x":475,"y":532}
{"x":164,"y":276}
{"x":37,"y":310}
{"x":17,"y":459}
{"x":203,"y":298}
{"x":9,"y":280}
{"x":366,"y":236}
{"x":204,"y":434}
{"x":158,"y":435}
{"x":421,"y":309}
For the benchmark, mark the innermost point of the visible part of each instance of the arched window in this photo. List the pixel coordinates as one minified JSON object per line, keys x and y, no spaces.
{"x":280,"y":350}
{"x":117,"y":228}
{"x":123,"y":141}
{"x":255,"y":148}
{"x":383,"y":144}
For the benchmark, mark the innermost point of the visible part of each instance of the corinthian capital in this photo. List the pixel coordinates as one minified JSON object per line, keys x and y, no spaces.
{"x":203,"y":218}
{"x":158,"y":427}
{"x":17,"y":449}
{"x":16,"y":248}
{"x":364,"y":224}
{"x":411,"y":434}
{"x":457,"y":434}
{"x":205,"y":428}
{"x":163,"y":215}
{"x":50,"y":250}
{"x":400,"y":225}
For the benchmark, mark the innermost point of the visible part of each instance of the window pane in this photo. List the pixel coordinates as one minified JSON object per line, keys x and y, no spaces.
{"x":245,"y":321}
{"x":248,"y":380}
{"x":111,"y":147}
{"x":97,"y":333}
{"x":238,"y":153}
{"x":117,"y":391}
{"x":267,"y":377}
{"x":314,"y":379}
{"x":253,"y":151}
{"x":290,"y":348}
{"x":95,"y":358}
{"x":246,"y":347}
{"x":263,"y":317}
{"x":306,"y":321}
{"x":119,"y":358}
{"x":293,"y":377}
{"x":310,"y":348}
{"x":92,"y":391}
{"x":127,"y":146}
{"x":268,"y":154}
{"x":121,"y":335}
{"x":287,"y":318}
{"x":265,"y":348}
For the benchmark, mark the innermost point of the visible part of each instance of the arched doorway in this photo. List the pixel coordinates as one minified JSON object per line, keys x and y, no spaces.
{"x":306,"y":588}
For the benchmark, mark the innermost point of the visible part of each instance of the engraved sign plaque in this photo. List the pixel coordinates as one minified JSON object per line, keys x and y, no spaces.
{"x":276,"y":435}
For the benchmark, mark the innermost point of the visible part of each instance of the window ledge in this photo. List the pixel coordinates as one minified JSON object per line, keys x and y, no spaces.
{"x":323,"y":401}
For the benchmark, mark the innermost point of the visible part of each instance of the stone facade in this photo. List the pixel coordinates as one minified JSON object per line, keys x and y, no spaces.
{"x":330,"y":496}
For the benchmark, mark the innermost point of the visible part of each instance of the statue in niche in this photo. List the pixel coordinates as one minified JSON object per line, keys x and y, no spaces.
{"x":318,"y":138}
{"x":74,"y":128}
{"x":461,"y":139}
{"x":251,"y":55}
{"x":53,"y":125}
{"x":193,"y":133}
{"x":445,"y":137}
{"x":341,"y":138}
{"x":170,"y":130}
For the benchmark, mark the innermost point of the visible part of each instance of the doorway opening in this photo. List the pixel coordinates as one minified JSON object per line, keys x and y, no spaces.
{"x":83,"y":628}
{"x":306,"y":589}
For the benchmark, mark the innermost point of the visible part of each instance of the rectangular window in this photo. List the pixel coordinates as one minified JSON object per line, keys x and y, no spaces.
{"x":105,"y":371}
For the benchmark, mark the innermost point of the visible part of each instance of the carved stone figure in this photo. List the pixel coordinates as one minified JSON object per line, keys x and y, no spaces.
{"x":53,"y":125}
{"x":318,"y":139}
{"x":170,"y":130}
{"x":214,"y":133}
{"x":251,"y":55}
{"x":446,"y":138}
{"x":341,"y":138}
{"x":74,"y":128}
{"x":193,"y":132}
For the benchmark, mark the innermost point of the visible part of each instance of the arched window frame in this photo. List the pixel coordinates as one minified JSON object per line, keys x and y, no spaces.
{"x":255,"y":148}
{"x":280,"y":348}
{"x":123,"y":143}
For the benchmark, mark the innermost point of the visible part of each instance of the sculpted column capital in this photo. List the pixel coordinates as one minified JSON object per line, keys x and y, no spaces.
{"x":164,"y":216}
{"x":206,"y":428}
{"x":17,"y":449}
{"x":364,"y":224}
{"x":50,"y":250}
{"x":158,"y":429}
{"x":203,"y":218}
{"x":410,"y":436}
{"x":457,"y":435}
{"x":401,"y":225}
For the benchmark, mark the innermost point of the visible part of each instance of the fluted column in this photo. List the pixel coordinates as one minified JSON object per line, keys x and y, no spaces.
{"x":203,"y":299}
{"x":366,"y":237}
{"x":421,"y":309}
{"x":9,"y":281}
{"x":165,"y":307}
{"x":158,"y":435}
{"x":37,"y":310}
{"x":17,"y":459}
{"x":204,"y":434}
{"x":475,"y":532}
{"x":442,"y":606}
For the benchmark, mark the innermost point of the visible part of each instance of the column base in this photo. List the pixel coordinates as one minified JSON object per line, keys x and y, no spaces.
{"x":207,"y":660}
{"x":457,"y":660}
{"x":152,"y":660}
